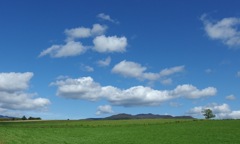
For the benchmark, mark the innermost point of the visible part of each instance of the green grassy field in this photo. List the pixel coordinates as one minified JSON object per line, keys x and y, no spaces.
{"x":121,"y":132}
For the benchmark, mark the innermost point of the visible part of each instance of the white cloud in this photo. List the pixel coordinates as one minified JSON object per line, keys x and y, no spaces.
{"x":82,"y":88}
{"x":87,"y":68}
{"x":13,"y":95}
{"x":83,"y":32}
{"x":135,"y":70}
{"x":80,"y":32}
{"x":71,"y":48}
{"x":190,"y":91}
{"x":221,"y":111}
{"x":14,"y":81}
{"x":129,"y":69}
{"x":86,"y":88}
{"x":106,"y":17}
{"x":230,"y":97}
{"x":104,"y":109}
{"x":172,"y":70}
{"x":98,"y":29}
{"x":105,"y":62}
{"x":225,"y":30}
{"x":109,"y":44}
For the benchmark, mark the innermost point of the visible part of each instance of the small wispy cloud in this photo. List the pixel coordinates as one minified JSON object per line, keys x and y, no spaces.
{"x":106,"y":17}
{"x":71,"y":48}
{"x":104,"y":63}
{"x":87,"y":68}
{"x":230,"y":97}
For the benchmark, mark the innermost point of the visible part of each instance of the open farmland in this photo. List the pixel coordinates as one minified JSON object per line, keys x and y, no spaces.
{"x":121,"y":132}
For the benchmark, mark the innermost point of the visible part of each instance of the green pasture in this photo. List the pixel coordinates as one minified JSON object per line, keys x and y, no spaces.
{"x":156,"y":131}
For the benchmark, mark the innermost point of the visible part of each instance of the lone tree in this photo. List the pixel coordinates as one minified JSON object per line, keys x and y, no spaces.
{"x":24,"y":118}
{"x":208,"y":114}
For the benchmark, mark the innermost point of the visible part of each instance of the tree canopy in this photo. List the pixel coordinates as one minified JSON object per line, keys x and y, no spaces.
{"x":208,"y":114}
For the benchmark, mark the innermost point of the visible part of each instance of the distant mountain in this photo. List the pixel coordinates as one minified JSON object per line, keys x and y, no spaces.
{"x":120,"y":116}
{"x":124,"y":116}
{"x":5,"y":117}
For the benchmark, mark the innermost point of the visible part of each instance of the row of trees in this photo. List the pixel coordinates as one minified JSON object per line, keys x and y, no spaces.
{"x":31,"y":118}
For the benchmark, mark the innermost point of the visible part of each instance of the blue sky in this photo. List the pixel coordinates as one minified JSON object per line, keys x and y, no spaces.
{"x":79,"y":59}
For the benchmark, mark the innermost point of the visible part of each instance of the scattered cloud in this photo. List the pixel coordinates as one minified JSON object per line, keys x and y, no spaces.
{"x":86,"y":88}
{"x":170,"y":71}
{"x":230,"y":97}
{"x":136,"y":70}
{"x":104,"y":44}
{"x":104,"y":109}
{"x":104,"y":63}
{"x":83,"y":32}
{"x":221,"y":111}
{"x":87,"y":68}
{"x":225,"y":30}
{"x":106,"y":17}
{"x":71,"y":48}
{"x":13,"y":96}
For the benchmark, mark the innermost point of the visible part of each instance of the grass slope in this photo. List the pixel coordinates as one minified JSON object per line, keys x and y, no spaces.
{"x":121,"y":132}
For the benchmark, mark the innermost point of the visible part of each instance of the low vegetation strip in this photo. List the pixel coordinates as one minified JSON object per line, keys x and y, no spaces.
{"x":147,"y":131}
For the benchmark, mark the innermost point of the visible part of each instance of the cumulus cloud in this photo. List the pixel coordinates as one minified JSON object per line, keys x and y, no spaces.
{"x":106,"y":17}
{"x":104,"y":63}
{"x":192,"y":92}
{"x":12,"y":81}
{"x":71,"y":48}
{"x":222,"y":111}
{"x":82,"y":88}
{"x":86,"y":88}
{"x":230,"y":97}
{"x":104,"y":109}
{"x":136,"y":70}
{"x":129,"y":69}
{"x":104,"y":44}
{"x":13,"y":95}
{"x":225,"y":30}
{"x":83,"y":32}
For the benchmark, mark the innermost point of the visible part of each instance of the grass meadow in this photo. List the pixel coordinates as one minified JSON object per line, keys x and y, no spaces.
{"x":152,"y":131}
